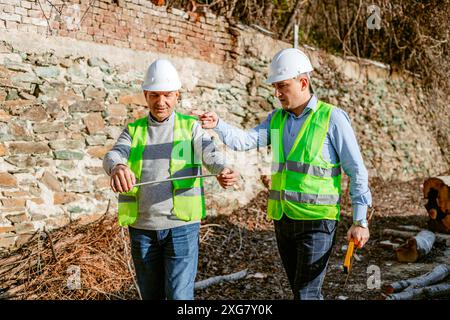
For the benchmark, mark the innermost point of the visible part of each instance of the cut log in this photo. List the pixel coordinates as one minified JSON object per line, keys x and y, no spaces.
{"x":442,"y":225}
{"x":437,"y":191}
{"x":440,"y":237}
{"x":409,"y":228}
{"x":210,"y":281}
{"x":438,"y":274}
{"x":416,"y":247}
{"x":398,"y":233}
{"x":438,"y":290}
{"x":389,"y":245}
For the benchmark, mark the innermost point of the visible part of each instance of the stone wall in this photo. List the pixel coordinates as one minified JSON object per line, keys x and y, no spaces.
{"x":64,"y":101}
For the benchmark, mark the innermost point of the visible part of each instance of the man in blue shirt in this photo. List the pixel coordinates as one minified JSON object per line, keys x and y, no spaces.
{"x":305,"y":244}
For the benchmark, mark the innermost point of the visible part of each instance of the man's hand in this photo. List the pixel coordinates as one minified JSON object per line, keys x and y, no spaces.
{"x":227,"y":177}
{"x":209,"y":120}
{"x":359,"y":234}
{"x":122,"y":179}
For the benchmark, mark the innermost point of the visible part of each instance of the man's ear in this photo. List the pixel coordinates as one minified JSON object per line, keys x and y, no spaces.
{"x":305,"y":83}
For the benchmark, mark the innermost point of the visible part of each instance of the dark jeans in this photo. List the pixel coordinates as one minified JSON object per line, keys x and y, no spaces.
{"x":305,"y":247}
{"x":166,"y":261}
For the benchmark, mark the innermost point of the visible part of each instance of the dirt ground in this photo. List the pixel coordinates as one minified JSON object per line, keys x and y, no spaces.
{"x":244,"y":240}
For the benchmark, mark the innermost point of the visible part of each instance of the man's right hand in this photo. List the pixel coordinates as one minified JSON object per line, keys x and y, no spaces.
{"x":122,"y":179}
{"x":209,"y":120}
{"x":227,"y":177}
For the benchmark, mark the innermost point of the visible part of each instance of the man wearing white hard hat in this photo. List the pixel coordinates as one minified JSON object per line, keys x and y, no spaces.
{"x":164,"y":217}
{"x":311,"y":142}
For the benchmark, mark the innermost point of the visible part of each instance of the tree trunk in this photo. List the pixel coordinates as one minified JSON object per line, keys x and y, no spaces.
{"x":268,"y":9}
{"x":438,"y":274}
{"x":291,"y":20}
{"x":416,"y":247}
{"x":231,"y":8}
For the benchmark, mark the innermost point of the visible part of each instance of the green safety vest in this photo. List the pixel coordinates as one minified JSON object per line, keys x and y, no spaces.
{"x":304,"y":186}
{"x":188,"y":195}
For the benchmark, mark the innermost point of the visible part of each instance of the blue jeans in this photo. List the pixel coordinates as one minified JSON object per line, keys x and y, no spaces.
{"x":305,"y":247}
{"x":166,"y":261}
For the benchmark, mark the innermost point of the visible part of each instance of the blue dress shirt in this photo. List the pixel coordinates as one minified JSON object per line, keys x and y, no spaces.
{"x":340,"y":145}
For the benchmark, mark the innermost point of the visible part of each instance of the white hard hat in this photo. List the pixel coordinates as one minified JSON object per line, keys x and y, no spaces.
{"x":288,"y":64}
{"x":161,"y":76}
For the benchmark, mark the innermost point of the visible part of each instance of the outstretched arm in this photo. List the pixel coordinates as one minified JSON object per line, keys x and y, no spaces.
{"x":214,"y":160}
{"x":234,"y":138}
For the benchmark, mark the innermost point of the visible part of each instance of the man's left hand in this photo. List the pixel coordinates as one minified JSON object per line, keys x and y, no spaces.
{"x":359,"y":234}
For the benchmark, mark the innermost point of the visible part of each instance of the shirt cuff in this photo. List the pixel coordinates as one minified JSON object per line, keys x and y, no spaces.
{"x":219,"y":168}
{"x":359,"y":212}
{"x":221,"y":127}
{"x":115,"y":165}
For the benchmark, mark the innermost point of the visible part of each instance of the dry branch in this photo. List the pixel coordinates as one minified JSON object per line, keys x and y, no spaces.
{"x":291,"y":20}
{"x":199,"y":285}
{"x":40,"y":269}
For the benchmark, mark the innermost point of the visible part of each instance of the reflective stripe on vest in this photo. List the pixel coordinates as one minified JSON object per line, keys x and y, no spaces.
{"x":188,"y":194}
{"x":304,"y":197}
{"x":304,"y":186}
{"x":306,"y":168}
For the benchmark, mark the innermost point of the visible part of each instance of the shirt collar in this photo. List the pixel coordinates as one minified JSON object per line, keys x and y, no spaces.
{"x":312,"y":105}
{"x":153,"y":120}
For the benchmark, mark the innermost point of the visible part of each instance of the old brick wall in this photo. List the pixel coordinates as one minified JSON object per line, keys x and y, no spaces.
{"x":135,"y":24}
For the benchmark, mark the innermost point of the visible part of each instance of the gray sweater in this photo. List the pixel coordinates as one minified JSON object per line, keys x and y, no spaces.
{"x":155,"y":201}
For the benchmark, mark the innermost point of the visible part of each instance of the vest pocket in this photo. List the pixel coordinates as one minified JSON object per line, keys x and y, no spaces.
{"x":127,"y":210}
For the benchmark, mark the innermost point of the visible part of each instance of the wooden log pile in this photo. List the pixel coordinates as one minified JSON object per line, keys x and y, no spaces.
{"x":426,"y":286}
{"x":412,"y":244}
{"x":418,"y":242}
